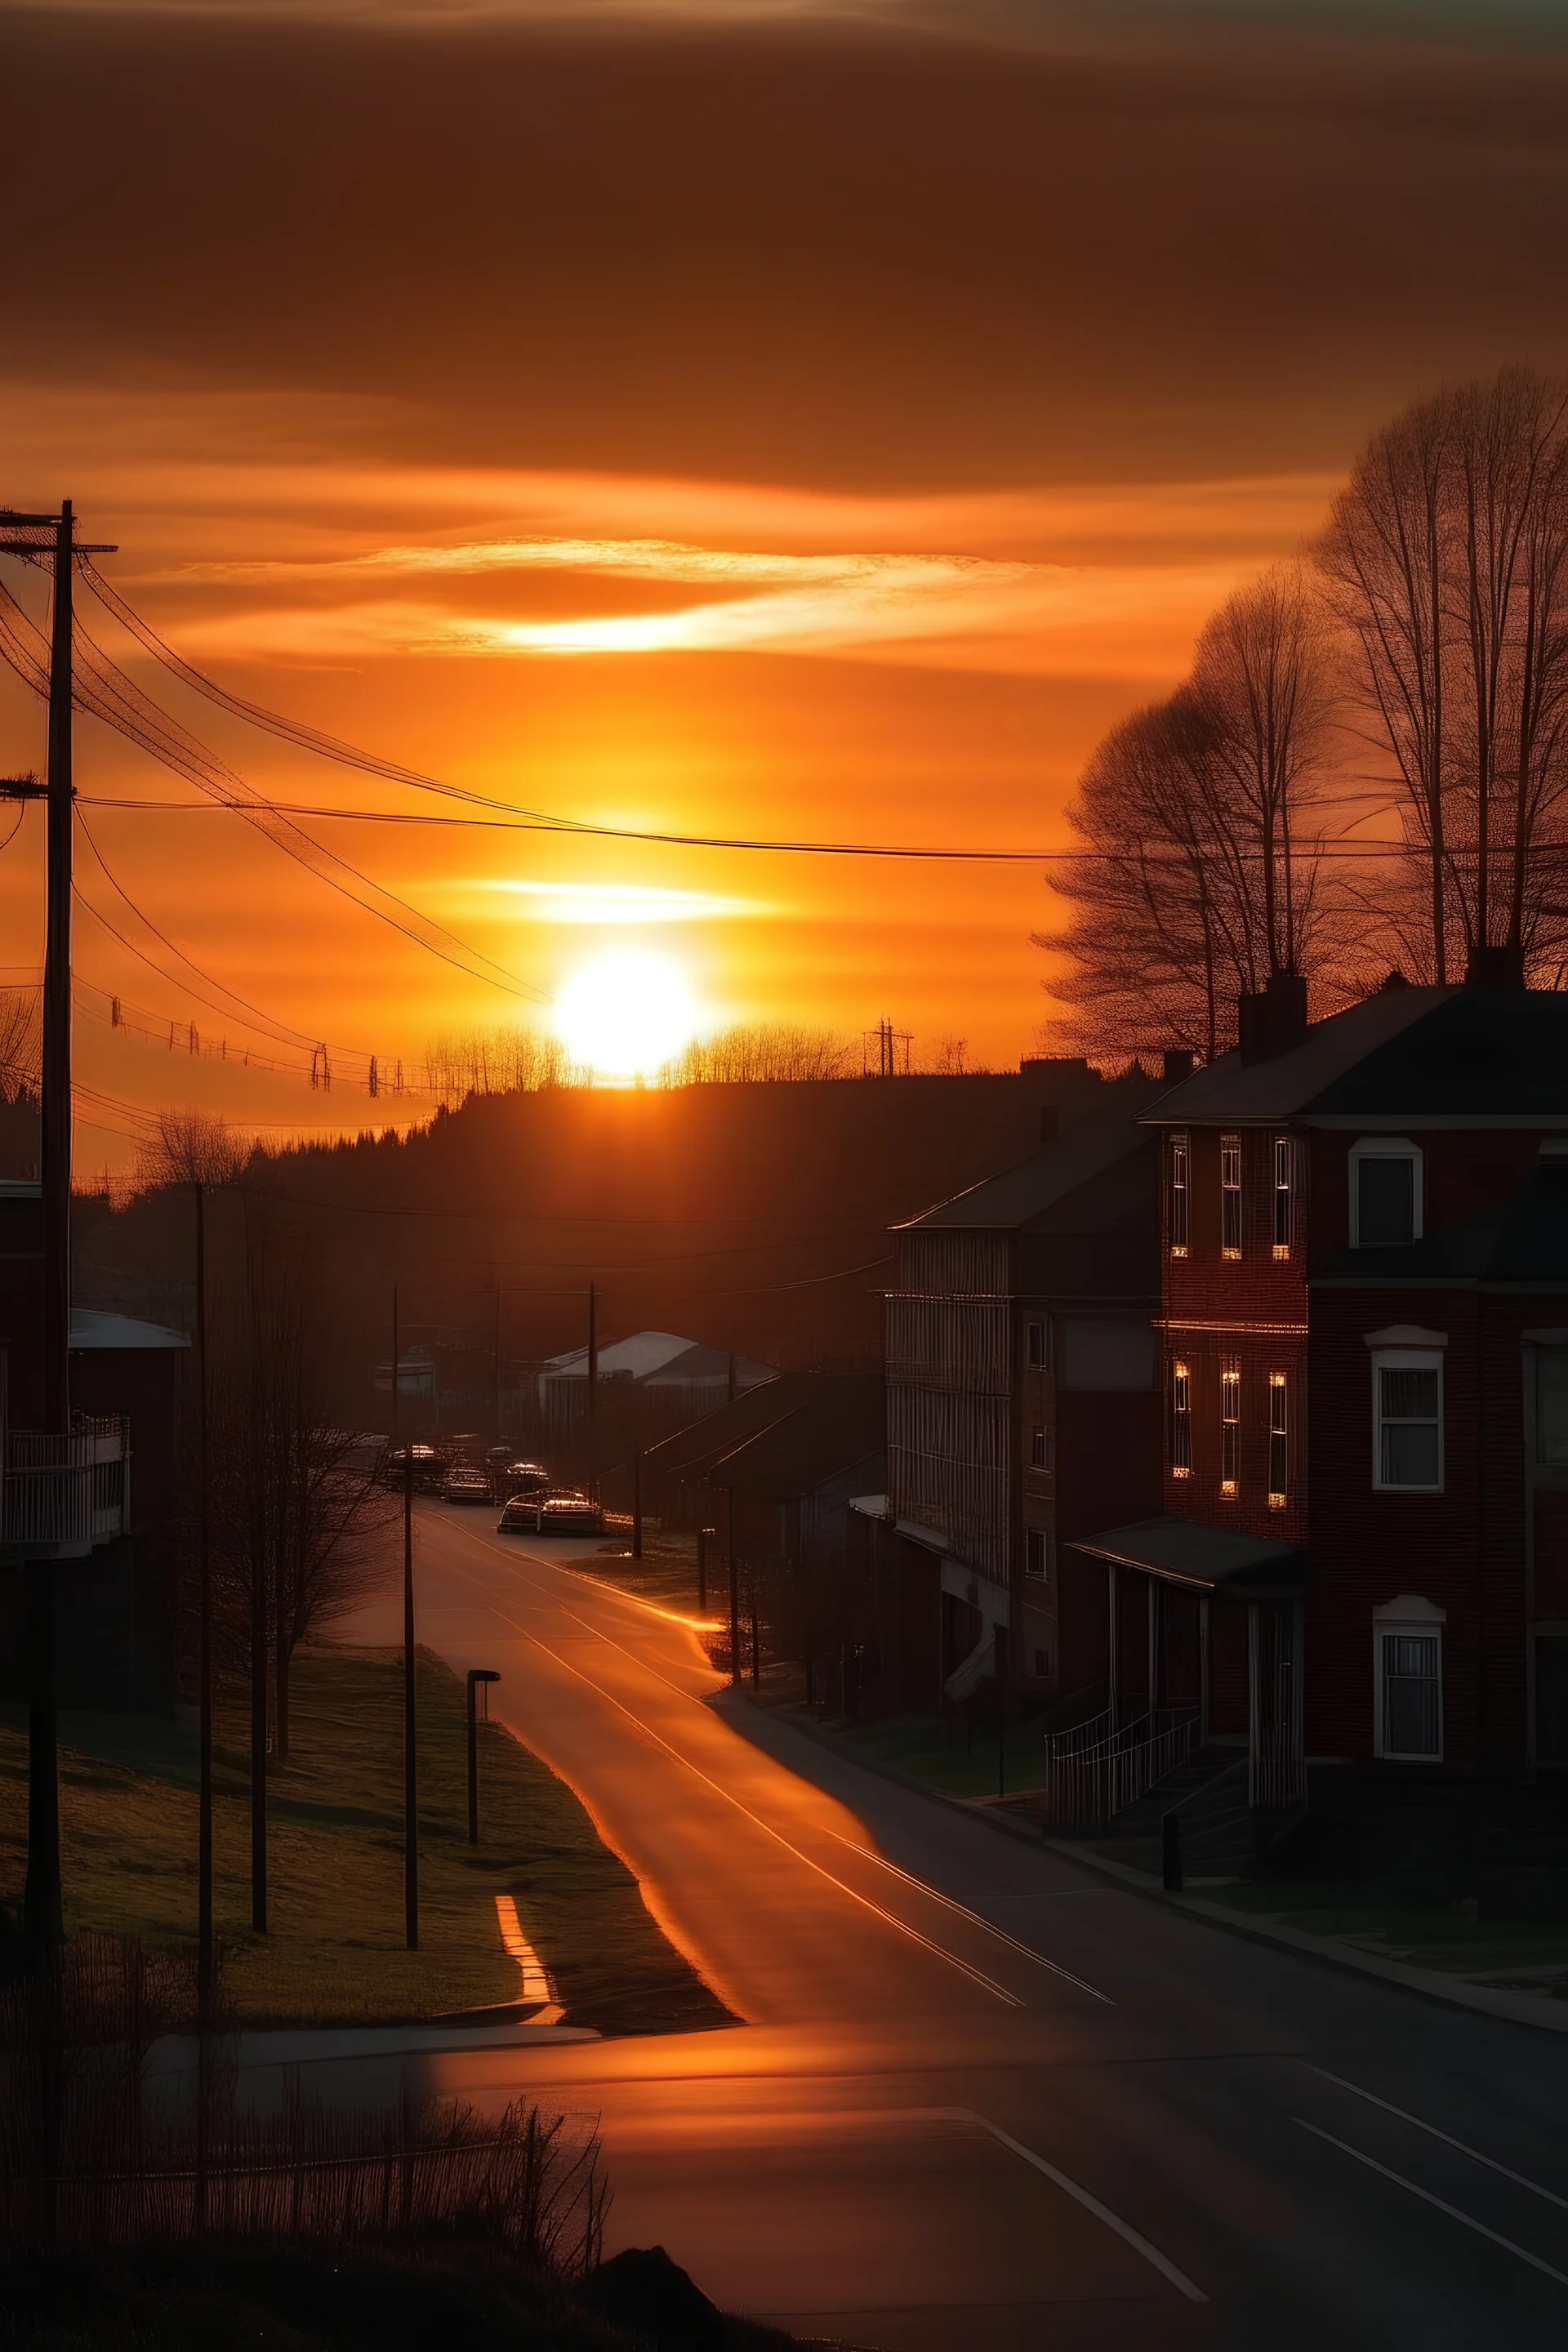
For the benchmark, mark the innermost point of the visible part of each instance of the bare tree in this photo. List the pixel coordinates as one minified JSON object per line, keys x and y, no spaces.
{"x":301,"y":1519}
{"x":191,"y":1147}
{"x":1446,"y":560}
{"x":1261,"y":679}
{"x":21,"y":1041}
{"x":463,"y":1062}
{"x":752,"y":1053}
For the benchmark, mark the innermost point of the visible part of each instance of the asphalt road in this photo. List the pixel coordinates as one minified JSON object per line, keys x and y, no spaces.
{"x":981,"y":2100}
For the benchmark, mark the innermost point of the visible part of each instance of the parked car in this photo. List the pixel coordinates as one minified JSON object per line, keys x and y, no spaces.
{"x":526,"y":1479}
{"x":565,"y":1512}
{"x":427,"y":1471}
{"x":466,"y":1485}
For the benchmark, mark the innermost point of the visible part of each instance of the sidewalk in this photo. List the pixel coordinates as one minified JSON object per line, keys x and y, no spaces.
{"x":1008,"y":1816}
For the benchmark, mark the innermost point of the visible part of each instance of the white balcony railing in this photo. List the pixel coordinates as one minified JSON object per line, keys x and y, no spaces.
{"x":67,"y":1492}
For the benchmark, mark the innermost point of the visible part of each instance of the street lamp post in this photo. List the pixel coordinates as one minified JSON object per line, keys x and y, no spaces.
{"x":476,"y":1674}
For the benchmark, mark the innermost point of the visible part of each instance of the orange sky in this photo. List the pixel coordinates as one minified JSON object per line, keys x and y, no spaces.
{"x":776,"y":426}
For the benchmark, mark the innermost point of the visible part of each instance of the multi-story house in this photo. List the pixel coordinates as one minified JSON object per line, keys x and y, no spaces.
{"x":1363,"y":1548}
{"x":1023,"y":1409}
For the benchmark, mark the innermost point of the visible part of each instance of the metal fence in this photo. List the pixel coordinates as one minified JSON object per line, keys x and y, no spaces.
{"x":1099,"y":1768}
{"x":70,"y":1490}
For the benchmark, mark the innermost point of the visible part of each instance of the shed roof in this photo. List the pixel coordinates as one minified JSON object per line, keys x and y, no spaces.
{"x":1186,"y":1551}
{"x":93,"y":1329}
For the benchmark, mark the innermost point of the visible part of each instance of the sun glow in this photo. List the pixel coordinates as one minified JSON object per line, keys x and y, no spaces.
{"x":626,"y":1013}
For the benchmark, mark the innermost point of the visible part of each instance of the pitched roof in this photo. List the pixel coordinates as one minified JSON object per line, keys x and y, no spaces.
{"x":1405,"y":1053}
{"x":1021,"y":1194}
{"x":653,"y":1356}
{"x":690,"y":1450}
{"x":838,"y":1425}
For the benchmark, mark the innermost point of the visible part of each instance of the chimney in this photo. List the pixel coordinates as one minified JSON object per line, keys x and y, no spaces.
{"x":1272,"y":1020}
{"x":1495,"y":968}
{"x":1178,"y":1063}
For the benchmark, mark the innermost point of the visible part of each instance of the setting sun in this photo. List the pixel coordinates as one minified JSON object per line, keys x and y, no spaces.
{"x":624,"y":1014}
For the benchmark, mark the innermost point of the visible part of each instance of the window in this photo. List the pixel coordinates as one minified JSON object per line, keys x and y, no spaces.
{"x":1279,"y":1442}
{"x":1043,"y":1449}
{"x":1407,"y":1410}
{"x":1386,"y":1192}
{"x":1179,"y":1221}
{"x":1408,"y":1662}
{"x":1230,"y":1196}
{"x":1552,"y":1408}
{"x":1284,"y":1196}
{"x":1230,"y":1426}
{"x":1180,"y":1422}
{"x":1039,"y":1348}
{"x":1038,"y":1547}
{"x":1042,"y":1665}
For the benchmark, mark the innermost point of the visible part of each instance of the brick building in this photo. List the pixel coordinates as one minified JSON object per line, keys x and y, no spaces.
{"x":1023,"y":1409}
{"x":1363,"y":1548}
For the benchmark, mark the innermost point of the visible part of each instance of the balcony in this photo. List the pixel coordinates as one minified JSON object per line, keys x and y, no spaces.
{"x":64,"y":1496}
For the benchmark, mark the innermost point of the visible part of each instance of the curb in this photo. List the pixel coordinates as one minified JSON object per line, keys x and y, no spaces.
{"x":1511,"y":2008}
{"x":175,"y":2053}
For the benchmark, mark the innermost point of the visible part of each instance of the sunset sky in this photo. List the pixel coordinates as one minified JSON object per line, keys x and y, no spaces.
{"x":771,"y":421}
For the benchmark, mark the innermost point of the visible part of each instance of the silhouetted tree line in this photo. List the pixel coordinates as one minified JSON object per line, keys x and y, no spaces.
{"x":1411,"y":667}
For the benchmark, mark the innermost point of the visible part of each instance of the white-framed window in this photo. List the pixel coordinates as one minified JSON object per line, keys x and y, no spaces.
{"x":1039,"y":1548}
{"x":1407,"y":1420}
{"x":1179,"y":1196}
{"x":1230,"y":1196}
{"x":1408,"y":1680}
{"x":1386,"y":1192}
{"x":1043,"y":1448}
{"x":1181,"y":1420}
{"x":1278,"y":1441}
{"x":1230,"y":1426}
{"x":1284,"y":1195}
{"x":1038,"y":1344}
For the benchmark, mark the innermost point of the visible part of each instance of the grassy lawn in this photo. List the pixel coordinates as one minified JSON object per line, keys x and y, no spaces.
{"x":335,"y":1952}
{"x":1531,"y":1953}
{"x":931,"y":1750}
{"x":667,"y":1572}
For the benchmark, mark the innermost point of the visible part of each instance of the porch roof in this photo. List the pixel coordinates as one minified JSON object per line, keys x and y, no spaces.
{"x":1206,"y":1560}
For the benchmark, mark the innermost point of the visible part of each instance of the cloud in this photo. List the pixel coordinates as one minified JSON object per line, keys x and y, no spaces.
{"x":601,"y":903}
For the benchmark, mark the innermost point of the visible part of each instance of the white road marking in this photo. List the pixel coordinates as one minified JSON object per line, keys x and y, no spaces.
{"x":1092,"y":2204}
{"x":866,"y":1852}
{"x":976,"y":1976}
{"x":1453,"y":2211}
{"x":1447,"y":2137}
{"x":536,"y":1985}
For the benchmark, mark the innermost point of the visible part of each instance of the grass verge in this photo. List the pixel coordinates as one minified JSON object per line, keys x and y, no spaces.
{"x":1517,"y":1955}
{"x":931,"y":1750}
{"x":335,"y":1952}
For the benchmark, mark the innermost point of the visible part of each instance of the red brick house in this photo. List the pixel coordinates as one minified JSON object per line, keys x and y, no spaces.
{"x":1363,"y":1550}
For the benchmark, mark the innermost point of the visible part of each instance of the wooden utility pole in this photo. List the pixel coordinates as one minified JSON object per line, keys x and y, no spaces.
{"x":43,"y":1922}
{"x":734,"y":1588}
{"x":637,"y":1504}
{"x":203,"y":1638}
{"x":410,"y":1774}
{"x":592,"y":1391}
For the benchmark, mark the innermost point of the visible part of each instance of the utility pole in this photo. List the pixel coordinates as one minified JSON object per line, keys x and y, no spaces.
{"x":203,"y":1638}
{"x":734,"y":1589}
{"x":410,"y":1775}
{"x":498,"y":1365}
{"x":703,"y":1536}
{"x":43,"y":1923}
{"x":637,"y":1502}
{"x":592,"y":1391}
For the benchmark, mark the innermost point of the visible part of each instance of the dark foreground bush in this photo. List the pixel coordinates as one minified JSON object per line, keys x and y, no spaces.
{"x":210,"y":2298}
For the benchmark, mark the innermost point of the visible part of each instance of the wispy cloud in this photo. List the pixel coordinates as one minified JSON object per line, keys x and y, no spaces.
{"x":600,"y":903}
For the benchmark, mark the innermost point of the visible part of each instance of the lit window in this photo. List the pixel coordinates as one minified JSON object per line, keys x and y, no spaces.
{"x":1386,"y":1192}
{"x":1179,"y":1221}
{"x":1042,"y":1449}
{"x":1039,"y":1356}
{"x":1284,"y":1201}
{"x":1279,"y":1442}
{"x":1230,"y":1426}
{"x":1407,"y":1661}
{"x":1407,"y":1411}
{"x":1038,"y":1550}
{"x":1230,"y":1196}
{"x":1180,"y":1422}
